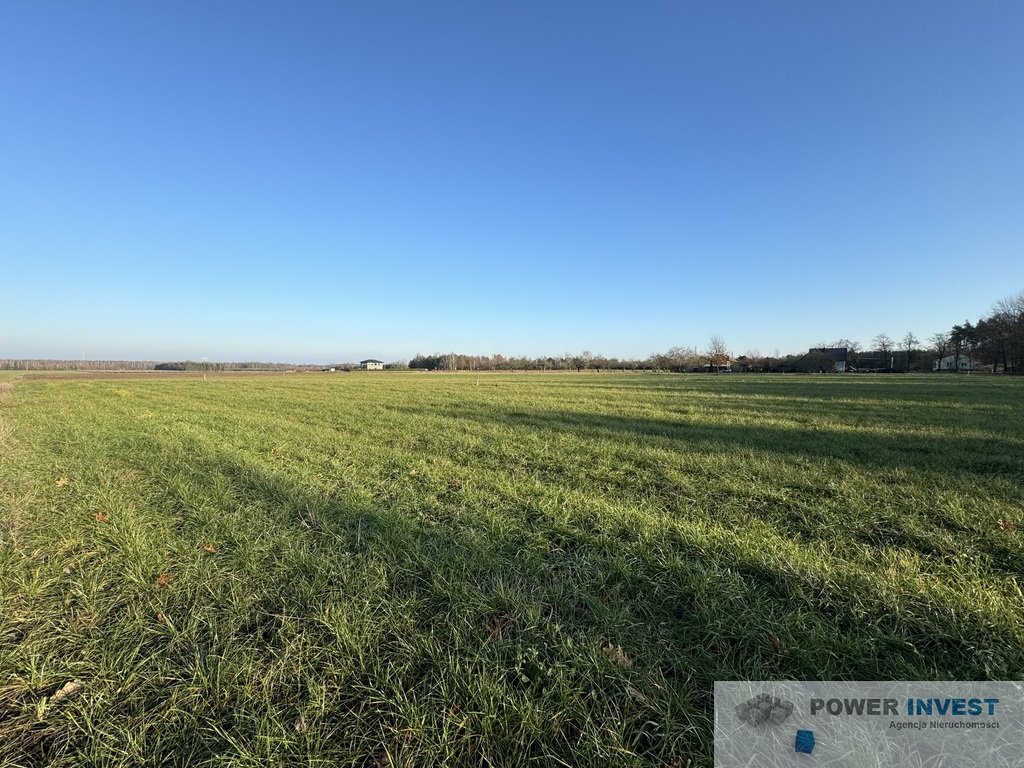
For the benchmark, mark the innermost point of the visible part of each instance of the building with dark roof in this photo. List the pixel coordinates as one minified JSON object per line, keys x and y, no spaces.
{"x":838,"y":355}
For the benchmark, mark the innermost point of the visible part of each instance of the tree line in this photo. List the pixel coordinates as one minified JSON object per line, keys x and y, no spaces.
{"x":995,"y":342}
{"x":12,"y":364}
{"x":453,"y":361}
{"x":203,"y":365}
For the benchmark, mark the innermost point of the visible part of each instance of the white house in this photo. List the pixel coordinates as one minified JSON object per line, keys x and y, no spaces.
{"x":953,"y":363}
{"x":371,"y":365}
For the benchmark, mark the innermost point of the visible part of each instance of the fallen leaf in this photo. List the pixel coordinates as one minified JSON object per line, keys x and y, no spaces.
{"x":62,"y":481}
{"x":100,"y":517}
{"x":209,"y":548}
{"x":67,"y":691}
{"x":497,"y":627}
{"x":617,"y":655}
{"x":635,"y":694}
{"x":163,"y":580}
{"x":1006,"y":526}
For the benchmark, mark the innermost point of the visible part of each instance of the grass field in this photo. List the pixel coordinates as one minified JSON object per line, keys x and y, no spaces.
{"x":401,"y":569}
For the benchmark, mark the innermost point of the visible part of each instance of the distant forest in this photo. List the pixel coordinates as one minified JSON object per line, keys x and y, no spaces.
{"x":994,"y":343}
{"x":144,"y":365}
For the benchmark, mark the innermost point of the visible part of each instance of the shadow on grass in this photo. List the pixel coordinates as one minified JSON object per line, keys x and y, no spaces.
{"x":982,"y":460}
{"x":468,"y":636}
{"x":985,"y":459}
{"x":601,"y":558}
{"x":941,"y":390}
{"x":561,"y":589}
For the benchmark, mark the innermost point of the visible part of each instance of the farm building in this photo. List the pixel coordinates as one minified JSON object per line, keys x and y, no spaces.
{"x":958,"y":363}
{"x":838,"y":355}
{"x":371,"y":365}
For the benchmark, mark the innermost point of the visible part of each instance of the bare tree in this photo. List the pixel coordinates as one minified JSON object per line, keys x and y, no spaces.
{"x":718,"y":353}
{"x":1001,"y":335}
{"x":940,"y":345}
{"x":884,"y":344}
{"x":1012,"y":306}
{"x":910,"y":342}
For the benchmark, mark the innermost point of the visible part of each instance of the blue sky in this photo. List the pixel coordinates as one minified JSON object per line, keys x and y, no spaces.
{"x":329,"y":181}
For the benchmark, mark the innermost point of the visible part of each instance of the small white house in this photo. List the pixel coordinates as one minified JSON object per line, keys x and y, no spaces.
{"x":371,"y":365}
{"x":953,"y":363}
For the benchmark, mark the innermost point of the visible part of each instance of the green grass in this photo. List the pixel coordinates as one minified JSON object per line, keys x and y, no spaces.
{"x":426,"y":570}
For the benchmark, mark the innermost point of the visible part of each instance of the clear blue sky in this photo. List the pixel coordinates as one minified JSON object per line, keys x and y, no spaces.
{"x":328,"y":181}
